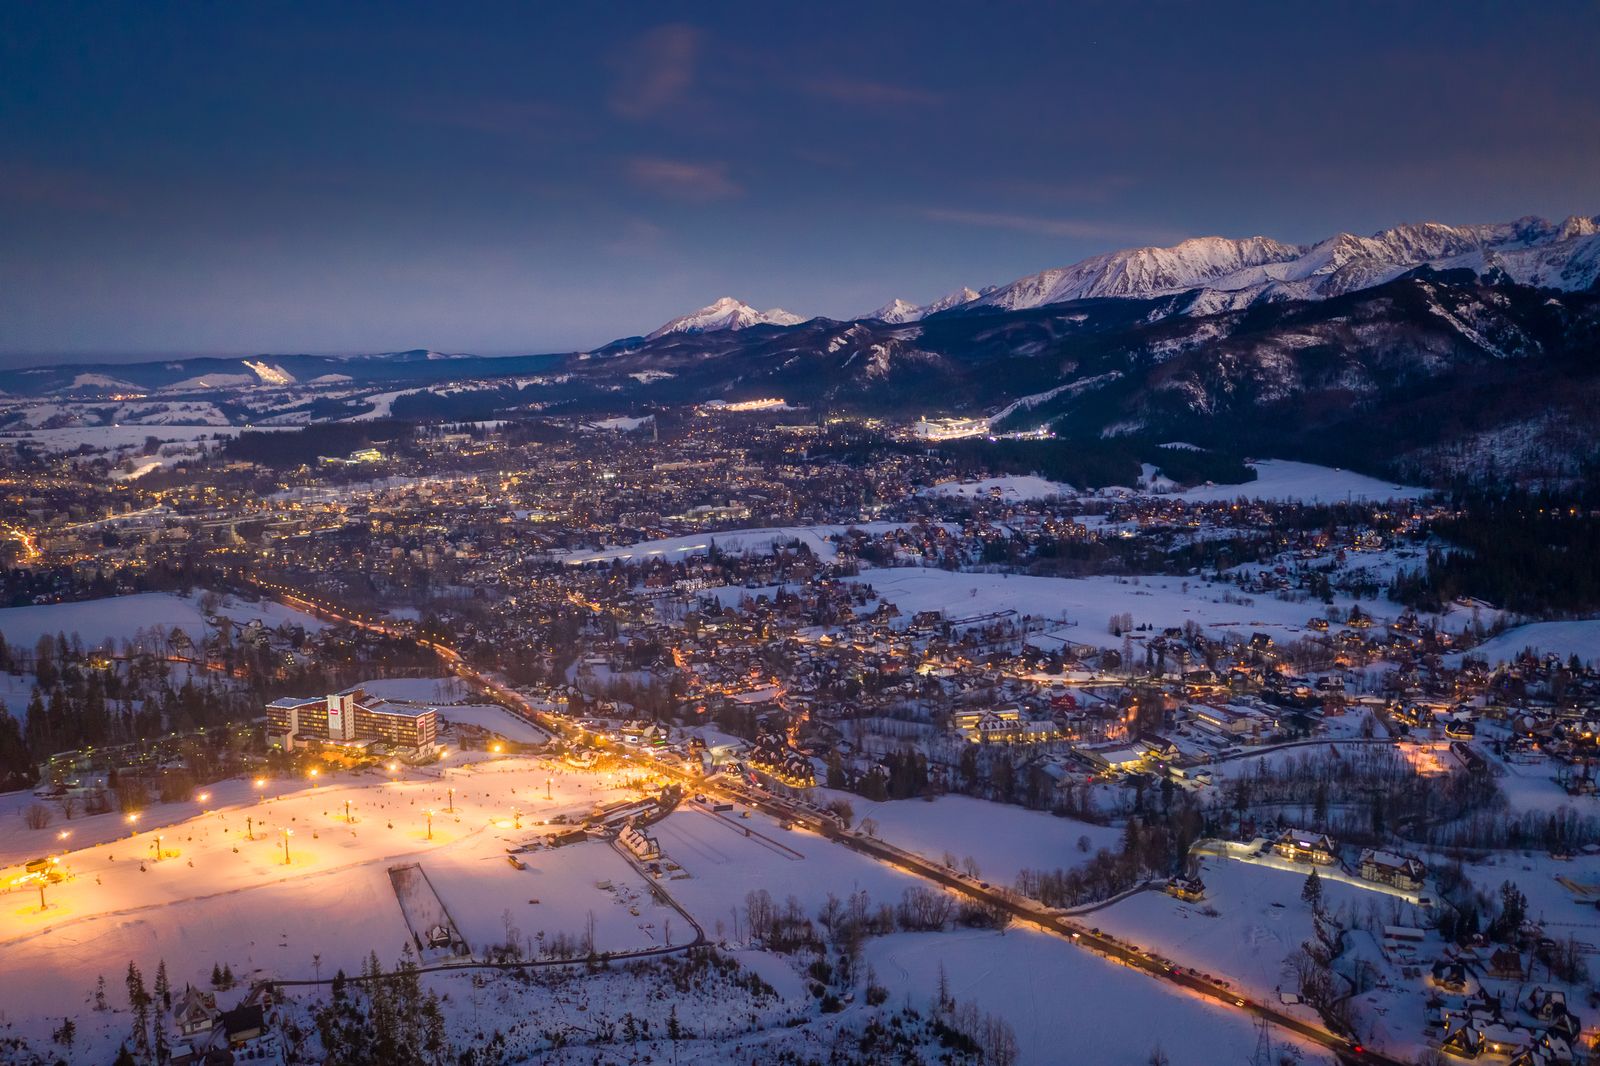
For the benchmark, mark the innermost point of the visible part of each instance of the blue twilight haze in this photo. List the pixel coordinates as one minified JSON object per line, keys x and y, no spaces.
{"x":237,"y":178}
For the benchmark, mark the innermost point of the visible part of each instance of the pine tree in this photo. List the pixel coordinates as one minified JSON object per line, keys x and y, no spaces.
{"x":100,"y":993}
{"x":163,"y":986}
{"x":1312,"y":892}
{"x":216,"y":975}
{"x":164,"y":997}
{"x":139,"y":1003}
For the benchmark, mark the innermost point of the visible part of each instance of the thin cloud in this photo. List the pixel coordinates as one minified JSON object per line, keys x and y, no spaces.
{"x":861,"y":92}
{"x":1077,"y":228}
{"x":683,"y":179}
{"x":655,"y":71}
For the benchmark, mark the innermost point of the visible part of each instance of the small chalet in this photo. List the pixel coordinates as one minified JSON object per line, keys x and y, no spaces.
{"x":1387,"y":868}
{"x":1506,"y":964}
{"x":1303,"y":845}
{"x":194,"y":1013}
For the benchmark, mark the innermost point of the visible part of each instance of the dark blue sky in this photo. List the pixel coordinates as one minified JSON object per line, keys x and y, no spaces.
{"x":259,"y":177}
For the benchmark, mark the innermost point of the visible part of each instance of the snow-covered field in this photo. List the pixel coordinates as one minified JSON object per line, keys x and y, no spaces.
{"x":1580,"y":638}
{"x":724,"y":864}
{"x":121,"y":438}
{"x":1008,"y":487}
{"x":1090,"y":602}
{"x":416,"y":689}
{"x":122,"y":617}
{"x":1283,"y":479}
{"x":495,"y":719}
{"x":1000,"y":838}
{"x":732,"y":540}
{"x":1067,"y":1006}
{"x":219,"y":895}
{"x":1251,"y":921}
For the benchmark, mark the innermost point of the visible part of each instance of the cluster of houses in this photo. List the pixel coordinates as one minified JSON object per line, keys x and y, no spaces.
{"x":1535,"y":1028}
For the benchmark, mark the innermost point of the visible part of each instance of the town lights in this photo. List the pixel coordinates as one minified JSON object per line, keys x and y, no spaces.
{"x":203,"y":797}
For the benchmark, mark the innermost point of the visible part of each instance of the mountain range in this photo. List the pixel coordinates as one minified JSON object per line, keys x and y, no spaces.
{"x":1425,"y":350}
{"x":1225,"y":272}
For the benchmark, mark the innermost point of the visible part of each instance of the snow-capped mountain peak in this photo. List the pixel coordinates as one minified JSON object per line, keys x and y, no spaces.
{"x":726,"y":313}
{"x":896,"y":311}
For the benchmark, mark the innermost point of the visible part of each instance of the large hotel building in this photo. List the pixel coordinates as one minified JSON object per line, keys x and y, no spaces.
{"x":350,"y":717}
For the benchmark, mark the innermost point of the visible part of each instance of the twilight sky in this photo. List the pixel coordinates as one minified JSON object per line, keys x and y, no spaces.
{"x":276,"y":177}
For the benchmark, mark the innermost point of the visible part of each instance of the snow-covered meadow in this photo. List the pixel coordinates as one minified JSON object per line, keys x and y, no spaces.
{"x":123,"y":617}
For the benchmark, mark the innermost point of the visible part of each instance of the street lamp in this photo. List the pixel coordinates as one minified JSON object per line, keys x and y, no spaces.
{"x":155,"y":846}
{"x":347,"y":818}
{"x":430,"y":824}
{"x":547,"y":788}
{"x":314,"y":775}
{"x":287,"y":833}
{"x":452,"y":807}
{"x":133,"y":820}
{"x":249,"y":828}
{"x":260,"y":784}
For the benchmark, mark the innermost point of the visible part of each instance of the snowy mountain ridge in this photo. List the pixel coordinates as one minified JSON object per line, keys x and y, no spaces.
{"x":1233,"y":273}
{"x":898,"y":311}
